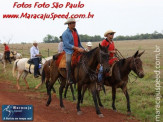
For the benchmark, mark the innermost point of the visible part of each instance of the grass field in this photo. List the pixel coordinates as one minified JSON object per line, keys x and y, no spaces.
{"x":142,"y":92}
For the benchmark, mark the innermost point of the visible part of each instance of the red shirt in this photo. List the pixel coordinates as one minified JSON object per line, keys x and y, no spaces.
{"x":111,"y":46}
{"x":75,"y":37}
{"x":6,"y":48}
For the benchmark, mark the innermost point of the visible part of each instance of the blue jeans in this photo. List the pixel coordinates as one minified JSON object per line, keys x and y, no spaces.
{"x":7,"y":56}
{"x":100,"y":73}
{"x":36,"y":63}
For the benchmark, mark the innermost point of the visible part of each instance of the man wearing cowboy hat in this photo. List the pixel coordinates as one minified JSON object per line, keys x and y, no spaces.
{"x":7,"y":52}
{"x":34,"y":51}
{"x":109,"y":34}
{"x":71,"y":42}
{"x":109,"y":41}
{"x":89,"y":46}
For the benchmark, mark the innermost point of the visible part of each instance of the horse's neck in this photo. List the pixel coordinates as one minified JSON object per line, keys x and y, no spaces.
{"x":92,"y":61}
{"x":125,"y":68}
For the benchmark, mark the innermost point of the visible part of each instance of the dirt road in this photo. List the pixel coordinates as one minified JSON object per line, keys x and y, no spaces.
{"x":10,"y":96}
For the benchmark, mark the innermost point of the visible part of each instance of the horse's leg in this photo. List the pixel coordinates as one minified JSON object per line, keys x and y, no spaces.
{"x":93,"y":91}
{"x":113,"y":98}
{"x":49,"y":86}
{"x":79,"y":112}
{"x":98,"y":98}
{"x":24,"y":77}
{"x":38,"y":85}
{"x":66,"y":88}
{"x":124,"y":89}
{"x":72,"y":91}
{"x":63,"y":82}
{"x":83,"y":92}
{"x":4,"y":66}
{"x":18,"y":78}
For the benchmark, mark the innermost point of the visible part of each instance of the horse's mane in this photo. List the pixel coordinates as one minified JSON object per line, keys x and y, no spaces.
{"x":88,"y":54}
{"x":121,"y":62}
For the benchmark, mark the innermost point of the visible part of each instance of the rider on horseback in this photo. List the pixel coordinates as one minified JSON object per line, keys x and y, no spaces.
{"x":34,"y":51}
{"x":7,"y":52}
{"x":108,"y":41}
{"x":71,"y":42}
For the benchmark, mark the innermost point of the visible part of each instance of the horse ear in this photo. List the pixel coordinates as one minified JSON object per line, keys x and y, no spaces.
{"x":141,"y":53}
{"x":135,"y":55}
{"x":100,"y":46}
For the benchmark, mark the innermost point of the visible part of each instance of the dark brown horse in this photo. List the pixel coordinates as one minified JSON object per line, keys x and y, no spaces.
{"x":84,"y":73}
{"x":45,"y":77}
{"x":119,"y":78}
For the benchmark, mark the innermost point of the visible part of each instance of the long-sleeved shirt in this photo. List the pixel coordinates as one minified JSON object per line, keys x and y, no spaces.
{"x":68,"y":41}
{"x":34,"y":51}
{"x":60,"y":47}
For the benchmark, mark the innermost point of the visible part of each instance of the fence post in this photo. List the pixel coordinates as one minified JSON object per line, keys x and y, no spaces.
{"x":48,"y":52}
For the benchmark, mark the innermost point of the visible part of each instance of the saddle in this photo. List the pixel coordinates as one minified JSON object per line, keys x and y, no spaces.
{"x":110,"y":72}
{"x":74,"y":60}
{"x":30,"y":65}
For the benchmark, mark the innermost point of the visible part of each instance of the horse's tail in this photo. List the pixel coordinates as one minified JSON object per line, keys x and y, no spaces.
{"x":14,"y":67}
{"x":43,"y":76}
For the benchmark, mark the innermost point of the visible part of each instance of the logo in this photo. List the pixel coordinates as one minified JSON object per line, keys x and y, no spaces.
{"x":17,"y":112}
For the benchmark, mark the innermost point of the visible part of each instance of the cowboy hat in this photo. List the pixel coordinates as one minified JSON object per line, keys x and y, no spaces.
{"x":107,"y":32}
{"x":34,"y":42}
{"x":89,"y":44}
{"x":69,"y":20}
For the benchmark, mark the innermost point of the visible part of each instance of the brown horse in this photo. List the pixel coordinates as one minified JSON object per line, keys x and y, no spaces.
{"x":45,"y":77}
{"x":119,"y":78}
{"x":84,"y":73}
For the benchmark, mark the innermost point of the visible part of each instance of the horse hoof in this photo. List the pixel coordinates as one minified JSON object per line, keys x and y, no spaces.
{"x":62,"y":108}
{"x":74,"y":99}
{"x":115,"y":110}
{"x":79,"y":113}
{"x":128,"y":113}
{"x":18,"y":88}
{"x":100,"y":115}
{"x":47,"y":104}
{"x":102,"y":106}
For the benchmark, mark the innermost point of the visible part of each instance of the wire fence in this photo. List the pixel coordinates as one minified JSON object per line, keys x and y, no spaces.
{"x":45,"y":49}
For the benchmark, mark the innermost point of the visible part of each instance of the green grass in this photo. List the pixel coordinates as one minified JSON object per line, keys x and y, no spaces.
{"x":141,"y":92}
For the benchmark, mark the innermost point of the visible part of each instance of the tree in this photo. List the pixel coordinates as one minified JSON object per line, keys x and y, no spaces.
{"x":50,"y":39}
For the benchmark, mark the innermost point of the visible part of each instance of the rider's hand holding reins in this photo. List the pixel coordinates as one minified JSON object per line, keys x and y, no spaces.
{"x":79,"y":49}
{"x":38,"y":55}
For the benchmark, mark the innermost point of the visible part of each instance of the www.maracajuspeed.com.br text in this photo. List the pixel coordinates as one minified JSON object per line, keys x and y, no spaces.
{"x":44,"y":16}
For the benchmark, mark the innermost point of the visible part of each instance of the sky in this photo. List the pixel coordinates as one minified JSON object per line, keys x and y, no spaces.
{"x":126,"y":17}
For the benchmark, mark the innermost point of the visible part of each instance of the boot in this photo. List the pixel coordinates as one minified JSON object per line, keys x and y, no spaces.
{"x":69,"y":78}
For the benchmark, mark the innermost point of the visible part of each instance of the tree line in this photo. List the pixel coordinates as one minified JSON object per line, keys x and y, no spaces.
{"x":85,"y":38}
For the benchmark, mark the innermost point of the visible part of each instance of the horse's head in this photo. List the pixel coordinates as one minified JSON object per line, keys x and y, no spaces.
{"x":136,"y":64}
{"x":104,"y":58}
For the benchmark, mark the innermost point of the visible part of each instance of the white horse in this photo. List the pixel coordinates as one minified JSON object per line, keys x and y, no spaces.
{"x":2,"y":60}
{"x":21,"y":66}
{"x":16,"y":55}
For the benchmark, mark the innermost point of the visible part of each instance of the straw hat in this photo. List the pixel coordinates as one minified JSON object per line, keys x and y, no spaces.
{"x":107,"y":32}
{"x":69,"y":20}
{"x":34,"y":42}
{"x":89,"y":44}
{"x":4,"y":43}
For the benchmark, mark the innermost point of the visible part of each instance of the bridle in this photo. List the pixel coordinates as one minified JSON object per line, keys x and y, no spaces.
{"x":89,"y":71}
